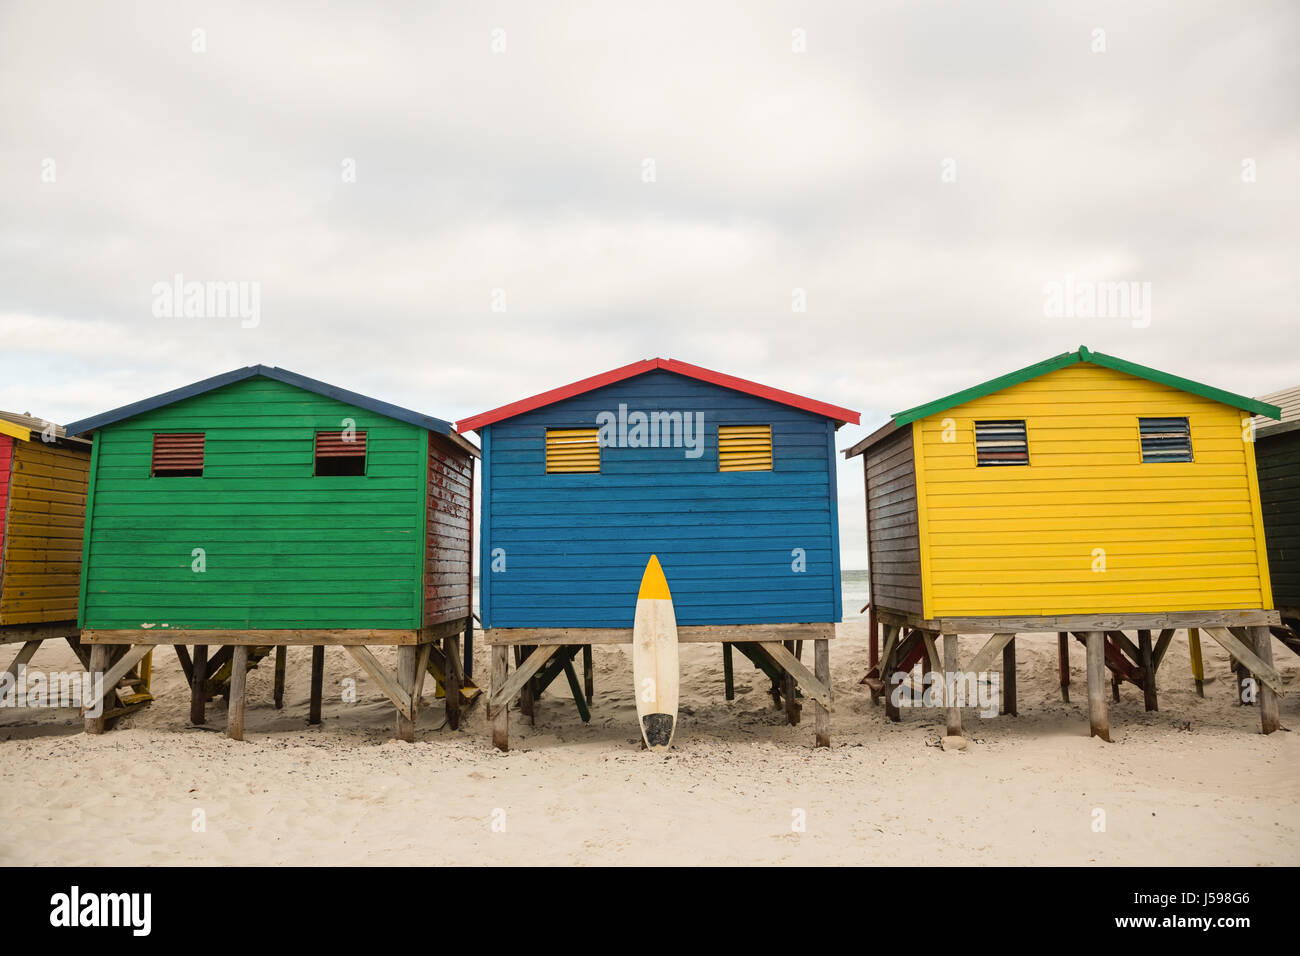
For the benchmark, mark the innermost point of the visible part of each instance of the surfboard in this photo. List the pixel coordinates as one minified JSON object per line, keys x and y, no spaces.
{"x":654,"y":658}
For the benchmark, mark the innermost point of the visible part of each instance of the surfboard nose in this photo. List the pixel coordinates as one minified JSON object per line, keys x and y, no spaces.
{"x":658,"y":729}
{"x":653,"y":583}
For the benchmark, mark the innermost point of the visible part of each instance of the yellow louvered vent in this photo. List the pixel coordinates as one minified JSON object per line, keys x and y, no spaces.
{"x":744,"y":448}
{"x":572,"y":450}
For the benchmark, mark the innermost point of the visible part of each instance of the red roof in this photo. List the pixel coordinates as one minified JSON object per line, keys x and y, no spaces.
{"x":841,"y":416}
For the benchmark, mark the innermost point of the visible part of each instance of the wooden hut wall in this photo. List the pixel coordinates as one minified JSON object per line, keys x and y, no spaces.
{"x":1278,"y":460}
{"x":6,"y":468}
{"x":449,"y":545}
{"x":894,"y":546}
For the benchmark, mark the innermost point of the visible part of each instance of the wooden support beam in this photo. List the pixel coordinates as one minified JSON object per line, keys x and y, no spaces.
{"x":1098,"y":718}
{"x":887,"y":672}
{"x":1198,"y":667}
{"x":278,"y":690}
{"x":951,"y":667}
{"x":130,"y":657}
{"x":982,"y":661}
{"x":468,"y":669}
{"x":1063,"y":663}
{"x":199,"y":685}
{"x":1122,"y":641}
{"x":793,"y":712}
{"x":1268,"y":713}
{"x":238,"y":685}
{"x":932,"y":653}
{"x":811,"y":686}
{"x":1263,"y":671}
{"x":589,"y":673}
{"x":1009,"y":677}
{"x":99,"y":656}
{"x":822,"y":713}
{"x":728,"y":675}
{"x":575,"y":688}
{"x":317,"y":682}
{"x":501,"y":696}
{"x":187,"y":665}
{"x":1162,"y":646}
{"x":25,"y":654}
{"x":451,"y":685}
{"x":501,"y":716}
{"x":396,"y":690}
{"x":1148,"y":660}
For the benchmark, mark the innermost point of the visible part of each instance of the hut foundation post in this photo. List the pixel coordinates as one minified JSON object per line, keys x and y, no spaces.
{"x":821,"y":714}
{"x":317,"y":682}
{"x":728,"y":674}
{"x":1198,"y":666}
{"x":588,"y":674}
{"x":408,"y":657}
{"x":1009,"y":678}
{"x":792,"y":708}
{"x":950,"y":665}
{"x":892,"y":637}
{"x":1063,"y":663}
{"x":198,"y":685}
{"x":280,"y":653}
{"x":238,"y":684}
{"x":501,"y":715}
{"x":1268,"y":713}
{"x":99,"y":657}
{"x":1098,"y":719}
{"x":451,"y":651}
{"x":1148,"y":671}
{"x":469,"y":648}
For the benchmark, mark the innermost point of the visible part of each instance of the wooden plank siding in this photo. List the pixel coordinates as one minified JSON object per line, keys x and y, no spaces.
{"x":893,"y":540}
{"x":449,"y":532}
{"x":1277,"y":459}
{"x":574,"y":546}
{"x":1020,"y":540}
{"x":285,"y":548}
{"x":46,"y":512}
{"x":6,"y":469}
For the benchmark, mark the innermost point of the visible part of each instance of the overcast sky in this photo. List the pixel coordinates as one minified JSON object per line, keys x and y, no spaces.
{"x":643,"y":179}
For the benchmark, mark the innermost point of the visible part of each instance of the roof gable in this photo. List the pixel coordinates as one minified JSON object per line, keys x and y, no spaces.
{"x":1083,"y":355}
{"x":395,"y":412}
{"x":839,"y":415}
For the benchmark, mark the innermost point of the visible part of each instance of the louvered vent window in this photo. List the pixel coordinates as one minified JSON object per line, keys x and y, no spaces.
{"x":1001,"y":443}
{"x":341,"y":453}
{"x":744,"y":448}
{"x":1165,"y":439}
{"x":572,"y":451}
{"x":178,"y":455}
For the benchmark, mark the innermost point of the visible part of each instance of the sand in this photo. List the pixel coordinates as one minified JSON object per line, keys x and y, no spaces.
{"x":1194,"y":784}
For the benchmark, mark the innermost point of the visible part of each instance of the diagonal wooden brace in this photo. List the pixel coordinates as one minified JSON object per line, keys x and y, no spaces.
{"x":1248,"y":657}
{"x":812,"y":687}
{"x":370,"y":664}
{"x":522,"y":675}
{"x":115,"y":673}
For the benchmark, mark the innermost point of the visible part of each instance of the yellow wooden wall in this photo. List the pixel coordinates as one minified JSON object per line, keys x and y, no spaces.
{"x":1020,"y":540}
{"x":47,"y":511}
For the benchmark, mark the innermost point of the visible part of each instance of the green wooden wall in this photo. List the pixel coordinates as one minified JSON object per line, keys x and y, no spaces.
{"x":1277,"y":458}
{"x":283,"y":547}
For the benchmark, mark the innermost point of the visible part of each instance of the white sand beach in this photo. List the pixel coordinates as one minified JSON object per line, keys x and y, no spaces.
{"x":1194,"y":784}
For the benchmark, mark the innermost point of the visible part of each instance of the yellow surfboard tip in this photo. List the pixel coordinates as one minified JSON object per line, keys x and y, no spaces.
{"x":653,"y":583}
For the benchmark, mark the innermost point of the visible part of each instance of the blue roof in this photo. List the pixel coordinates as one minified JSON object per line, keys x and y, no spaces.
{"x":265,"y":371}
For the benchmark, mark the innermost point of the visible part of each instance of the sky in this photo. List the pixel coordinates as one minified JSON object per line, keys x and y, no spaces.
{"x":451,"y":206}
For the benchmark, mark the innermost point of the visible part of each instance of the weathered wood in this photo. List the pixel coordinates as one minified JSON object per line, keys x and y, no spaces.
{"x":793,"y":711}
{"x":887,"y":672}
{"x":358,"y":636}
{"x":501,"y":716}
{"x":822,"y":713}
{"x":576,"y":690}
{"x":1121,"y":640}
{"x":317,"y":683}
{"x":1162,"y":646}
{"x":1148,"y":661}
{"x":99,"y":657}
{"x":932,"y":653}
{"x":728,"y":675}
{"x":1198,"y":666}
{"x":129,"y":659}
{"x":1263,"y":671}
{"x":24,"y":655}
{"x":811,"y":686}
{"x":982,"y":661}
{"x":1268,"y":712}
{"x":395,"y":691}
{"x":187,"y":665}
{"x":278,"y":690}
{"x":1082,"y":622}
{"x":951,"y":666}
{"x":589,"y":673}
{"x":501,"y":697}
{"x":469,"y":649}
{"x":695,"y":634}
{"x":199,"y":685}
{"x":1098,"y":718}
{"x":1063,"y":663}
{"x":404,"y":686}
{"x":238,"y":685}
{"x":451,"y":686}
{"x":43,"y":631}
{"x":1009,"y":677}
{"x":529,"y":691}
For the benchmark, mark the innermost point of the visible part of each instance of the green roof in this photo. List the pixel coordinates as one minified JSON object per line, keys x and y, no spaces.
{"x":1084,"y":354}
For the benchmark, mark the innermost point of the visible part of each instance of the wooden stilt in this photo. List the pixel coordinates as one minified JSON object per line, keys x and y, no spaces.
{"x":317,"y":682}
{"x":1147,"y":660}
{"x":527,"y":695}
{"x":887,"y":672}
{"x":501,"y":716}
{"x":99,"y":660}
{"x":1268,"y":714}
{"x":408,"y":657}
{"x":792,"y":708}
{"x":451,"y":687}
{"x":280,"y":653}
{"x":1063,"y":663}
{"x":728,"y":674}
{"x":950,"y":667}
{"x":469,"y":648}
{"x":822,"y":714}
{"x":1098,"y":718}
{"x":588,"y":674}
{"x":1009,"y":678}
{"x":238,"y":684}
{"x":199,"y":685}
{"x":1198,"y":666}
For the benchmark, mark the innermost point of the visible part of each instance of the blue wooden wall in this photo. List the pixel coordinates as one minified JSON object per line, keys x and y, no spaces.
{"x":574,"y":546}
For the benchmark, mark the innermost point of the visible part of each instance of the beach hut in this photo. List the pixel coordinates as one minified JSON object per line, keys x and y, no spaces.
{"x":730,"y":483}
{"x":1084,"y":495}
{"x":1277,"y":456}
{"x":261,"y":509}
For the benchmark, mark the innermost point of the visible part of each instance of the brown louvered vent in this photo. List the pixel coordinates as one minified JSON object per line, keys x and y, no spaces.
{"x":178,"y":455}
{"x":341,"y":453}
